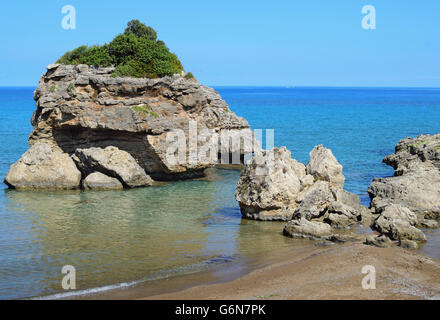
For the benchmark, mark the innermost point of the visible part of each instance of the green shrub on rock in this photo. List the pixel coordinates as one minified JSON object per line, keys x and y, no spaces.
{"x":140,"y":30}
{"x":135,"y":53}
{"x":189,"y":75}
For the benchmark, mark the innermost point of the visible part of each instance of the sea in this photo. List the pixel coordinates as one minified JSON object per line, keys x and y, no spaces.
{"x":121,"y":239}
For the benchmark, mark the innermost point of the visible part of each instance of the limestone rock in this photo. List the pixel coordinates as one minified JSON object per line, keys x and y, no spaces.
{"x":424,"y":148}
{"x":114,"y":163}
{"x":416,"y":181}
{"x":270,"y":181}
{"x":324,"y":166}
{"x":417,"y":189}
{"x":427,"y":223}
{"x":411,"y":199}
{"x":408,"y":244}
{"x":315,"y":201}
{"x":273,"y":186}
{"x":345,"y":209}
{"x":82,"y":107}
{"x":303,"y":228}
{"x":43,"y":166}
{"x":99,"y":181}
{"x":398,"y":223}
{"x":380,"y":241}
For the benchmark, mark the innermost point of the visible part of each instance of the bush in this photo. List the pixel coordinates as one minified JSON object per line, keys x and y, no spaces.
{"x":135,"y":53}
{"x":140,"y":30}
{"x":73,"y":57}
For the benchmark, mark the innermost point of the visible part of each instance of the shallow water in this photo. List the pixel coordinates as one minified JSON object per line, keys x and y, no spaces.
{"x":117,"y":237}
{"x":151,"y":233}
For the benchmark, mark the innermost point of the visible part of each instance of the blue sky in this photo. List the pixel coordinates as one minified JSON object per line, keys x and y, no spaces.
{"x":303,"y":43}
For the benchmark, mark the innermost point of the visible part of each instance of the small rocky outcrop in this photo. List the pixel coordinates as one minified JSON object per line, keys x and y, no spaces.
{"x":114,"y":163}
{"x":410,"y":200}
{"x":273,"y":186}
{"x":82,"y":107}
{"x":416,"y":181}
{"x":44,"y":166}
{"x":99,"y":181}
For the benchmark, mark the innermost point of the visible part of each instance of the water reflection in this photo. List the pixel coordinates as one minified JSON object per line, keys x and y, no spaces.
{"x":109,"y":237}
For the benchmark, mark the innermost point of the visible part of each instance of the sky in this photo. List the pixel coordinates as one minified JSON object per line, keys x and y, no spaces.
{"x":240,"y":42}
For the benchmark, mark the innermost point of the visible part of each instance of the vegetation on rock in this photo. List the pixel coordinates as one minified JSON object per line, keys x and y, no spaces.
{"x":145,"y":110}
{"x":134,"y":53}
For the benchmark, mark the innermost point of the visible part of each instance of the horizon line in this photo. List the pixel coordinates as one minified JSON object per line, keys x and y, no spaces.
{"x":284,"y":86}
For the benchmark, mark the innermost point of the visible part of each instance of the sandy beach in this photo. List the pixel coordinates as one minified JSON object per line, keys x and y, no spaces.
{"x":329,"y":273}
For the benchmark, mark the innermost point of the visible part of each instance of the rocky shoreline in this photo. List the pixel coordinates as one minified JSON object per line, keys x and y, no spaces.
{"x":311,"y":198}
{"x":94,"y":131}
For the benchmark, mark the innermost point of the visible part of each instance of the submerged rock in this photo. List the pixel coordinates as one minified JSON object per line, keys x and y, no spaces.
{"x":99,"y":181}
{"x":44,"y":166}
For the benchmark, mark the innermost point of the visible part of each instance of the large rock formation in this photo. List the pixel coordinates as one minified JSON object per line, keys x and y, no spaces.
{"x":173,"y":127}
{"x":273,"y":186}
{"x":411,"y":199}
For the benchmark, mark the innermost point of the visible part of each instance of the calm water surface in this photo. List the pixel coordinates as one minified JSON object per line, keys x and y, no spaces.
{"x":151,"y":233}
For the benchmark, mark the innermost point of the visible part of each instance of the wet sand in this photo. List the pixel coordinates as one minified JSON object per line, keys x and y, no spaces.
{"x":322,"y":273}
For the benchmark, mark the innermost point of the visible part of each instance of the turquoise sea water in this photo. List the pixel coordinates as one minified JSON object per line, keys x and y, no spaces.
{"x":143,"y":234}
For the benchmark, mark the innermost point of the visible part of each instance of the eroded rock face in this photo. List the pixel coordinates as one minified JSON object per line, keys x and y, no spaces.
{"x":314,"y":201}
{"x":114,"y":163}
{"x":398,"y":223}
{"x":416,"y":184}
{"x":82,"y":107}
{"x":345,"y":209}
{"x":270,"y":184}
{"x":273,"y":186}
{"x":99,"y":181}
{"x":324,"y":166}
{"x":44,"y":166}
{"x":411,"y":199}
